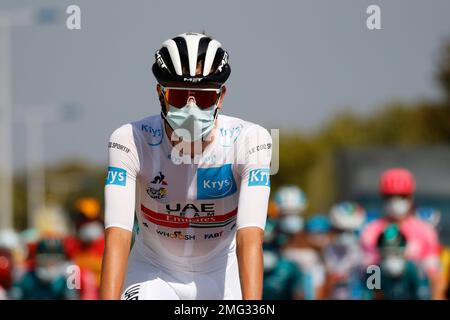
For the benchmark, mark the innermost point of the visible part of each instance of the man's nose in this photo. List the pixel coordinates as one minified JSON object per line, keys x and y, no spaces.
{"x":191,"y":99}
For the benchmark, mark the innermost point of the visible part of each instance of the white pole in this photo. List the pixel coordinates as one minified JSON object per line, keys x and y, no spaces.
{"x":6,"y":174}
{"x":35,"y":167}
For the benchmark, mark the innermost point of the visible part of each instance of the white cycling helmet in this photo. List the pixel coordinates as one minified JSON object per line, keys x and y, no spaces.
{"x":347,"y":216}
{"x":290,"y":199}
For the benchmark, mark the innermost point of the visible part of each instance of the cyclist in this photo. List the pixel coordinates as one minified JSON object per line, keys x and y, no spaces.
{"x":282,"y":278}
{"x":291,"y":203}
{"x":433,"y":217}
{"x":400,"y":279}
{"x":306,"y":250}
{"x":6,"y":276}
{"x":343,"y":256}
{"x":198,"y":181}
{"x":47,"y":279}
{"x":397,"y":187}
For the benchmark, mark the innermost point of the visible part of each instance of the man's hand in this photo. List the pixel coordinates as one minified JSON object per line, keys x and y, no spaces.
{"x":250,"y":259}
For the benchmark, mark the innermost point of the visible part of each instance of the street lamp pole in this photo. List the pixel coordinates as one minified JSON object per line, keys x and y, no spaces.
{"x":6,"y":174}
{"x":22,"y":17}
{"x":35,"y":167}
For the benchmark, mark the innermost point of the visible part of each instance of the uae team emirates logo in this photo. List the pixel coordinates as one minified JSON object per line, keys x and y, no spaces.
{"x":157,"y":188}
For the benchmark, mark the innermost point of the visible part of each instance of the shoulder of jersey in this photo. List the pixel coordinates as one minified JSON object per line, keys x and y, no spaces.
{"x":231,"y":130}
{"x":147,"y":130}
{"x":150,"y":130}
{"x":427,"y":228}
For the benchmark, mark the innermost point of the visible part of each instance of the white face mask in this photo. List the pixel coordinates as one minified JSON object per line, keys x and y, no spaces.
{"x":90,"y":231}
{"x":291,"y":224}
{"x":190,"y":122}
{"x":394,"y":265}
{"x":49,"y":273}
{"x":398,"y":207}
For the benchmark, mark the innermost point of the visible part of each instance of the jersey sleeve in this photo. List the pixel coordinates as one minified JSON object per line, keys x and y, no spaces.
{"x":254,"y":155}
{"x":120,"y":185}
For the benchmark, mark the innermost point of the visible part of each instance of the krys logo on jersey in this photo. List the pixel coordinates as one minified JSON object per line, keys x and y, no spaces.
{"x":215,"y":183}
{"x":228,"y":136}
{"x":259,"y":177}
{"x":157,"y":188}
{"x":155,"y":134}
{"x":116,"y":176}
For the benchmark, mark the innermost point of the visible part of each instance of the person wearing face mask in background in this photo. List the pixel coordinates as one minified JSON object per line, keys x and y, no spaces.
{"x":343,"y":256}
{"x":282,"y":278}
{"x":306,"y":250}
{"x":46,"y":280}
{"x":6,"y":267}
{"x":433,"y":217}
{"x":397,"y":187}
{"x":291,"y":203}
{"x":86,"y":249}
{"x":401,"y":279}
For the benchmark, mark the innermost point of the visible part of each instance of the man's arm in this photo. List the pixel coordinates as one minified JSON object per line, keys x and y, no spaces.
{"x":120,"y":191}
{"x":255,"y":145}
{"x":115,"y":257}
{"x":250,"y":260}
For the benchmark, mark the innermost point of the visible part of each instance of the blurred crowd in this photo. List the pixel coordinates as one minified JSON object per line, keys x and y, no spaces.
{"x":349,"y":253}
{"x":52,"y":262}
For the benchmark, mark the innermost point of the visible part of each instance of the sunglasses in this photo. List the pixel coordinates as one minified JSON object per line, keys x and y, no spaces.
{"x":204,"y":98}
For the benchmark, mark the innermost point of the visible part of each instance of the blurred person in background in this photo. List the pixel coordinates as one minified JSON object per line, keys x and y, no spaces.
{"x":11,"y":242}
{"x":397,"y":187}
{"x":46,"y":280}
{"x":401,"y":278}
{"x":291,"y":203}
{"x":306,"y":250}
{"x":6,"y":270}
{"x":282,"y":278}
{"x":433,"y":217}
{"x":343,"y":256}
{"x":86,"y":250}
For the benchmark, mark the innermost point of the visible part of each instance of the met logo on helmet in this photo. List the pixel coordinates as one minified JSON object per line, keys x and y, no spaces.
{"x":160,"y":60}
{"x":214,"y":183}
{"x":259,"y":177}
{"x":117,"y":176}
{"x":223,"y":62}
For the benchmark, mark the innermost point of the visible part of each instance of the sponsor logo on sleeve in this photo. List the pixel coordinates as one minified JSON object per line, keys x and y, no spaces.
{"x":261,"y":147}
{"x":215,"y":183}
{"x":118,"y":146}
{"x":259,"y":177}
{"x":117,"y":176}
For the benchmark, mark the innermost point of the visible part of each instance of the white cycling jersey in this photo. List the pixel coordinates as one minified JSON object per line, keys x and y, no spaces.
{"x":188,"y":210}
